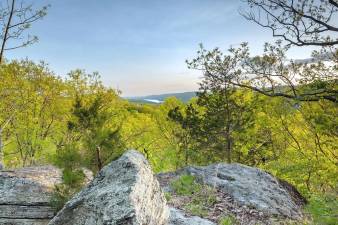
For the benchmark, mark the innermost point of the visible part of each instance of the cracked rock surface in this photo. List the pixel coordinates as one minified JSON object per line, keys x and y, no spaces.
{"x":25,"y":195}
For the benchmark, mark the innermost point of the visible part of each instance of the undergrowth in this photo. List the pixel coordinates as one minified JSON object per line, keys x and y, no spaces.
{"x":202,"y":197}
{"x":72,"y":182}
{"x":227,"y":220}
{"x":323,"y":209}
{"x":73,"y":177}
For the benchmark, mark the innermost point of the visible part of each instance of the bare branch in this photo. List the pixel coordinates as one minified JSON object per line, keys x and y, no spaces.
{"x":300,"y":23}
{"x":15,"y":20}
{"x":271,"y":74}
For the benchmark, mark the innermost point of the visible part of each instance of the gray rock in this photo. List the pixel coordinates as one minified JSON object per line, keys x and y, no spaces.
{"x":5,"y":221}
{"x":249,"y":186}
{"x":125,"y":192}
{"x":177,"y":217}
{"x":26,"y":212}
{"x":25,"y":195}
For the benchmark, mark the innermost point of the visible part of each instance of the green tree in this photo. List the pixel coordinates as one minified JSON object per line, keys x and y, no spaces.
{"x":98,"y":138}
{"x":187,"y":134}
{"x":223,"y":117}
{"x":273,"y":74}
{"x":33,"y":106}
{"x":296,"y":24}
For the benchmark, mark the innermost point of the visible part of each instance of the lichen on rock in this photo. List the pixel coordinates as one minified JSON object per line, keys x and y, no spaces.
{"x":125,"y":192}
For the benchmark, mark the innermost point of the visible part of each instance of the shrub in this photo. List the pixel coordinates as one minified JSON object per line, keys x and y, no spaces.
{"x":167,"y":196}
{"x":60,"y":196}
{"x":323,"y":209}
{"x":185,"y":185}
{"x":227,"y":220}
{"x":202,"y":197}
{"x":73,"y":178}
{"x":72,"y":182}
{"x":196,"y":209}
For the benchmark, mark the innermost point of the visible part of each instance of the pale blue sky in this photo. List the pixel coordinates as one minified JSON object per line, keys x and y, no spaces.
{"x":139,"y":46}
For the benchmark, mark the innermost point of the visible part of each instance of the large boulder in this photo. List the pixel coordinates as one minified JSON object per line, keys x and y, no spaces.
{"x":125,"y":192}
{"x":25,"y":195}
{"x":250,"y":187}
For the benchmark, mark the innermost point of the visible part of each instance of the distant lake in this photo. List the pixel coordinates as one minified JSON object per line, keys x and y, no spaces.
{"x":153,"y":101}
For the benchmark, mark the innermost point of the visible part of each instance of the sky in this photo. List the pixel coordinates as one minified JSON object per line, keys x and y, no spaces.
{"x":139,"y":46}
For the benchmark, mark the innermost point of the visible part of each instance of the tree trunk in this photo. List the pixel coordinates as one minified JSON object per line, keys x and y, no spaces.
{"x":186,"y":152}
{"x":228,"y":127}
{"x":1,"y":155}
{"x":6,"y":32}
{"x":98,"y":158}
{"x":228,"y":146}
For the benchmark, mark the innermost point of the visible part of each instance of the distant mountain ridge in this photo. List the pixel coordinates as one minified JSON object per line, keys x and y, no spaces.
{"x":157,"y":99}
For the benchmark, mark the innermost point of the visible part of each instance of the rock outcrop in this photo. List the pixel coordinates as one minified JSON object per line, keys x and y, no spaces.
{"x":25,"y":195}
{"x":245,"y":186}
{"x":125,"y":192}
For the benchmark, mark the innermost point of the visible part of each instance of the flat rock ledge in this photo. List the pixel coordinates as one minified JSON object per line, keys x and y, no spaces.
{"x":25,"y":195}
{"x":125,"y":192}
